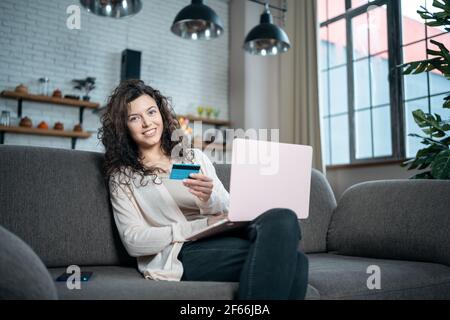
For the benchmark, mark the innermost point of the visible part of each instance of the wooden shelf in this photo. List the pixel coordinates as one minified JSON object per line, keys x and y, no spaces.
{"x":20,"y":97}
{"x":47,"y":132}
{"x":47,"y":99}
{"x":215,"y":122}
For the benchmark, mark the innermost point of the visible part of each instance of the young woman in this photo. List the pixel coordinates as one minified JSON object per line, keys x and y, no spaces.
{"x":153,"y":221}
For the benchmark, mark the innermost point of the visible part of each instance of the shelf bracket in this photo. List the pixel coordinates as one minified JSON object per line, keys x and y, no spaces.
{"x":81,"y":115}
{"x":19,"y":108}
{"x":2,"y":137}
{"x":74,"y":142}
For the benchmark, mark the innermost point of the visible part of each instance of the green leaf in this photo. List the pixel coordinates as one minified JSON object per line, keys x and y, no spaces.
{"x":410,"y":67}
{"x":434,"y":52}
{"x":440,"y":168}
{"x":439,"y":5}
{"x":421,"y":68}
{"x":446,"y":141}
{"x":447,"y":102}
{"x":444,"y":51}
{"x":429,"y":124}
{"x":428,"y":141}
{"x":424,"y":166}
{"x":424,"y":157}
{"x":423,"y":175}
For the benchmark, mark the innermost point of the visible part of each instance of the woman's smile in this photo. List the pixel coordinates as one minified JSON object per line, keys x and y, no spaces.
{"x":149,"y":132}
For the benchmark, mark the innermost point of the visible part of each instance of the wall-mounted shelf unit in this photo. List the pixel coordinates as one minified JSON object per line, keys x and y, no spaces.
{"x":217,"y":123}
{"x":211,"y":121}
{"x":45,"y":132}
{"x":20,"y":97}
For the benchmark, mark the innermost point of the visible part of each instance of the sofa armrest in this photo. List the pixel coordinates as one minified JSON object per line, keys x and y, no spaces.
{"x":398,"y":219}
{"x":23,"y":276}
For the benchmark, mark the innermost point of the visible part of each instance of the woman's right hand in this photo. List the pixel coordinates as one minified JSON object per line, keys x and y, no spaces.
{"x":216,"y":218}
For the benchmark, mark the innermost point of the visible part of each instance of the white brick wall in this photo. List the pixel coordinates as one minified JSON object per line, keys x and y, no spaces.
{"x":35,"y":42}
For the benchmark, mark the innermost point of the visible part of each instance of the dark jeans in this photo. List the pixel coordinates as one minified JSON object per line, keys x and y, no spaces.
{"x":263,"y":257}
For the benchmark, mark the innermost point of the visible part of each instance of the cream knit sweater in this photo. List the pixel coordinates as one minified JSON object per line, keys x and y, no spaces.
{"x":152,"y":226}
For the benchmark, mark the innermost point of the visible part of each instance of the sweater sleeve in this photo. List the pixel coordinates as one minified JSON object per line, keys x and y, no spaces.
{"x":219,"y":200}
{"x":138,"y":237}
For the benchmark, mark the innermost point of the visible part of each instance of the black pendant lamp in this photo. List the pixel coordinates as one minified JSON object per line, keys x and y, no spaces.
{"x":266,"y":38}
{"x":197,"y":21}
{"x":112,"y":8}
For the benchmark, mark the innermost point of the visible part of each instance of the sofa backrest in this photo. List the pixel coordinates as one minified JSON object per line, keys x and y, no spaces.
{"x":322,"y":203}
{"x":57,"y":202}
{"x":400,"y":219}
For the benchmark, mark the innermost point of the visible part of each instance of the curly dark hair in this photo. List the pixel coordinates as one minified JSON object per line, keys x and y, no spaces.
{"x":121,"y":151}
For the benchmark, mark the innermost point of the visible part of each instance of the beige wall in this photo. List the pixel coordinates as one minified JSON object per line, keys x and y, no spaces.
{"x":237,"y":89}
{"x":253,"y":79}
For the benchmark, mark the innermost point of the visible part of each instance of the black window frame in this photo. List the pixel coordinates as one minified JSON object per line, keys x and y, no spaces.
{"x":396,"y":87}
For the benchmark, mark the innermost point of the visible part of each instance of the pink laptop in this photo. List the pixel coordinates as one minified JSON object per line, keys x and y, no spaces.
{"x":265,"y":175}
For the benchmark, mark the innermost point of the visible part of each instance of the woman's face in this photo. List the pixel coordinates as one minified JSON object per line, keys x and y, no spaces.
{"x":145,"y":122}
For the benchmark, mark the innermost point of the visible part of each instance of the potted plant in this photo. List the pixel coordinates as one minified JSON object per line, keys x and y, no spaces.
{"x":200,"y":110}
{"x":87,"y":85}
{"x":434,"y":158}
{"x":209,"y":111}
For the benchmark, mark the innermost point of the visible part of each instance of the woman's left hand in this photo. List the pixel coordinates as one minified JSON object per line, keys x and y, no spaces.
{"x":200,"y":186}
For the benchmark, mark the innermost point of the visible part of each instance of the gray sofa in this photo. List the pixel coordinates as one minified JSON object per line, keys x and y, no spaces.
{"x":56,"y":203}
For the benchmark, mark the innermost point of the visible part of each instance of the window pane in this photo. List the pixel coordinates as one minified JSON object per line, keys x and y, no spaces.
{"x":337,"y":43}
{"x":322,"y":10}
{"x":363,"y":134}
{"x":361,"y":84}
{"x":340,"y":140}
{"x":338,"y":90}
{"x":323,"y":50}
{"x":326,"y":140}
{"x":382,"y":134}
{"x":413,"y":25}
{"x":360,"y":37}
{"x":436,"y":107}
{"x":438,"y":83}
{"x":380,"y":80}
{"x":413,"y":144}
{"x":378,"y":29}
{"x":416,"y":85}
{"x":323,"y":93}
{"x":335,"y":8}
{"x":415,"y":52}
{"x":358,"y":3}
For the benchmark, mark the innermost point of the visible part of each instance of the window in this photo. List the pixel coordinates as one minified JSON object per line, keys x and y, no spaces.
{"x":365,"y":102}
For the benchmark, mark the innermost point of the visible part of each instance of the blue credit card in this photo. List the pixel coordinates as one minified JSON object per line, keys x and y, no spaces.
{"x":182,"y":171}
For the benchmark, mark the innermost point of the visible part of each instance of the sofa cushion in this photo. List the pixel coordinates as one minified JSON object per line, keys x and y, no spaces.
{"x":22,"y":273}
{"x":399,"y":219}
{"x":111,"y":282}
{"x":57,"y":202}
{"x":345,"y":277}
{"x":321,"y":206}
